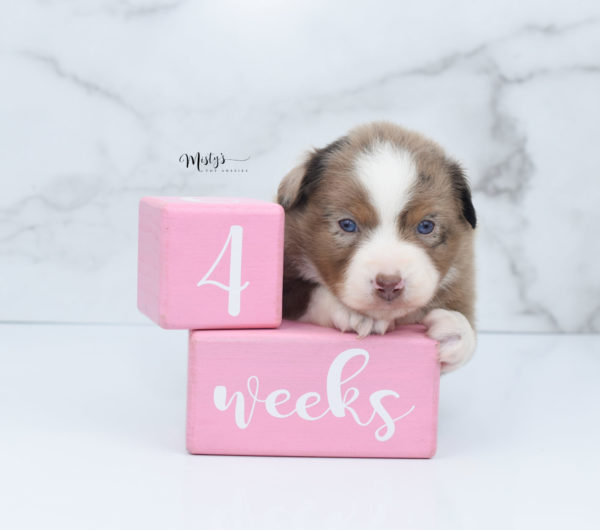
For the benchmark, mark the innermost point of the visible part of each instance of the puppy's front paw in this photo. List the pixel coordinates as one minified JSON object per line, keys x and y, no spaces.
{"x":455,"y":335}
{"x":345,"y":319}
{"x":326,"y":310}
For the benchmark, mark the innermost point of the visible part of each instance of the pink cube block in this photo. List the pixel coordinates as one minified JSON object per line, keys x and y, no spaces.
{"x":304,"y":390}
{"x":210,"y":263}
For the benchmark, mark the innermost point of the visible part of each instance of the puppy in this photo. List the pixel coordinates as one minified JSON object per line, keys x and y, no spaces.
{"x":379,"y":232}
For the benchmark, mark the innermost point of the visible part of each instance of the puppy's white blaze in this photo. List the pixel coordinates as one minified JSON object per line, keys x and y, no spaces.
{"x":388,"y":174}
{"x":384,"y":252}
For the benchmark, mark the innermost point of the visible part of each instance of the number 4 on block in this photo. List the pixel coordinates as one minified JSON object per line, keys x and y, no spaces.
{"x":210,"y":263}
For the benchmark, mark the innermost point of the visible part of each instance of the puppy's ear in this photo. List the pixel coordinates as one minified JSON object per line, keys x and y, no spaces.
{"x":300,"y":182}
{"x":288,"y":192}
{"x":462,"y":192}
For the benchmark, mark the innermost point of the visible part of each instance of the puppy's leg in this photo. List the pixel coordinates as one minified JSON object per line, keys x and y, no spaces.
{"x":455,"y":335}
{"x":325,"y":309}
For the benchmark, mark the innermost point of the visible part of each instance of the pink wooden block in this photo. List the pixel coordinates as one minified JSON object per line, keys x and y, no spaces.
{"x":210,"y":263}
{"x":304,"y":390}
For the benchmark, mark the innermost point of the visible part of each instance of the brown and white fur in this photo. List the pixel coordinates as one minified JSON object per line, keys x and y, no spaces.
{"x":386,"y":180}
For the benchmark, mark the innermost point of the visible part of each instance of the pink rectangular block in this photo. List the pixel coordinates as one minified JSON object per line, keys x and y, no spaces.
{"x":210,"y":263}
{"x":304,"y":390}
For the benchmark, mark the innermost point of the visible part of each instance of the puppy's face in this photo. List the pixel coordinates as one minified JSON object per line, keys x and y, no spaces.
{"x":381,"y":216}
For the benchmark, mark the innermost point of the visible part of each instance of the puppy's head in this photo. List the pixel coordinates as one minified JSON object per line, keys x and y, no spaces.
{"x":380,"y":216}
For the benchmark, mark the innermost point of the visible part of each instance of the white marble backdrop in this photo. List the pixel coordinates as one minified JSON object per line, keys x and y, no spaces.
{"x":99,"y":98}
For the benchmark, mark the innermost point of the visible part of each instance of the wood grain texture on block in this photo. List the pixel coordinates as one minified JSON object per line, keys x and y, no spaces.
{"x":304,"y":390}
{"x":210,"y":263}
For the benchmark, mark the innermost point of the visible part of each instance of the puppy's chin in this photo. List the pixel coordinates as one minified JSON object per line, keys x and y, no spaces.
{"x":382,"y":310}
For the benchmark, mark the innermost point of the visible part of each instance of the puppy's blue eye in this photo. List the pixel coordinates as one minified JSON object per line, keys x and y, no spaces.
{"x":348,"y":225}
{"x":426,"y":227}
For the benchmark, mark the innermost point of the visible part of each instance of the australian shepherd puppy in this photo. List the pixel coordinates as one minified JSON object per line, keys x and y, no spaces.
{"x":379,"y":232}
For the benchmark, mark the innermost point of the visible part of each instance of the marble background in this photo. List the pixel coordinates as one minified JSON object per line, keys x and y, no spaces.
{"x":100,"y":98}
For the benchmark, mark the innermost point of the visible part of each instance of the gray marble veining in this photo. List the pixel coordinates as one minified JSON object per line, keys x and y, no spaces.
{"x":100,"y":99}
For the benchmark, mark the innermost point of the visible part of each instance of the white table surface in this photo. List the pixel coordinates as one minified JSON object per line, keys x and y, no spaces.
{"x":92,"y":436}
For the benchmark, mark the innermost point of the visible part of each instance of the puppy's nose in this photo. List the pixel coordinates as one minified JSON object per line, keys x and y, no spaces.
{"x":389,"y":286}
